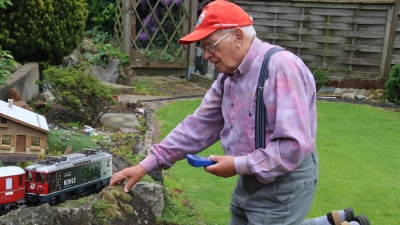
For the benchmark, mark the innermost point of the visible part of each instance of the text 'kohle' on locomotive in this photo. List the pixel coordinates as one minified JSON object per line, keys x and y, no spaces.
{"x":54,"y":179}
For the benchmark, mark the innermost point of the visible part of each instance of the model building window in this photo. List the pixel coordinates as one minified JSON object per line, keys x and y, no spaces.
{"x":35,"y":141}
{"x":3,"y":120}
{"x":6,"y":140}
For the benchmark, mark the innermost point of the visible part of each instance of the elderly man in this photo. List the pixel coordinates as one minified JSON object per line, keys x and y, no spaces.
{"x":277,"y":166}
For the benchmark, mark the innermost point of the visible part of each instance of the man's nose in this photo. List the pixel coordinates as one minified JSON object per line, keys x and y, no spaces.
{"x":206,"y":54}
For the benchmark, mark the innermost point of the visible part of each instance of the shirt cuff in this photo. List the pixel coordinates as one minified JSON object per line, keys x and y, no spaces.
{"x":241,"y":166}
{"x":150,"y":163}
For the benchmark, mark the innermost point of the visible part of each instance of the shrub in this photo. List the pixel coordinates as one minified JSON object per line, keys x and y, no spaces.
{"x":59,"y":140}
{"x":320,"y":77}
{"x":43,"y":30}
{"x":3,"y":3}
{"x":23,"y":165}
{"x":101,"y":15}
{"x":105,"y":53}
{"x":79,"y":92}
{"x":392,"y":84}
{"x":7,"y":65}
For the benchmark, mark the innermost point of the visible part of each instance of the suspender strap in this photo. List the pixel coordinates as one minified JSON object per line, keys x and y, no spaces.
{"x":260,"y":107}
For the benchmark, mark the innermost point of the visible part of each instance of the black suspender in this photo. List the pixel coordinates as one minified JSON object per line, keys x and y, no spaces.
{"x":260,"y":107}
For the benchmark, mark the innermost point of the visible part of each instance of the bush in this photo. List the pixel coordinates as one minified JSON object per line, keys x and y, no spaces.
{"x":7,"y":66}
{"x":3,"y":3}
{"x":59,"y":140}
{"x":79,"y":92}
{"x":101,"y":15}
{"x":43,"y":30}
{"x":392,"y":85}
{"x":320,"y":77}
{"x":105,"y":53}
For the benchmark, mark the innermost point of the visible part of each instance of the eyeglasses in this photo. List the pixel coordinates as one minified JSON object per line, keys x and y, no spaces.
{"x":211,"y":48}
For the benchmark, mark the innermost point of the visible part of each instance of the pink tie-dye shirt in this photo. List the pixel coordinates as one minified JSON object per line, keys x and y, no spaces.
{"x":290,"y":132}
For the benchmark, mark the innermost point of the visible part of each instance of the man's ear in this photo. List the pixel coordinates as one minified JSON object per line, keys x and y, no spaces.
{"x":239,"y":37}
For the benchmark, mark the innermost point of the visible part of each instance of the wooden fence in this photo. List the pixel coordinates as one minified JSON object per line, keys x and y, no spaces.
{"x":148,"y":31}
{"x":355,"y":40}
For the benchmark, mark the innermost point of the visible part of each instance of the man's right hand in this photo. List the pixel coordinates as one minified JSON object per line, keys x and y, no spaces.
{"x":133,"y":174}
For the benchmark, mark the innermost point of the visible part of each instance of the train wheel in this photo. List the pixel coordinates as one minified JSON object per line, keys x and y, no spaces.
{"x":62,"y":197}
{"x":52,"y":201}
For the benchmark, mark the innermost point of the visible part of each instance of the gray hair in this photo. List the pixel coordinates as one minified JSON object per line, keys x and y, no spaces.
{"x":248,"y":31}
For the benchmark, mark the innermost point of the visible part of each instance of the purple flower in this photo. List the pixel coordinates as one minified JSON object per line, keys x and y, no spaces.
{"x":143,"y":37}
{"x":144,"y":4}
{"x":147,"y":19}
{"x":167,"y":2}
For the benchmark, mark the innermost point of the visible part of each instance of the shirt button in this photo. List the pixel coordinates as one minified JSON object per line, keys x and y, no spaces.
{"x":250,"y":114}
{"x":231,"y":127}
{"x":235,"y":82}
{"x":231,"y":104}
{"x":228,"y":148}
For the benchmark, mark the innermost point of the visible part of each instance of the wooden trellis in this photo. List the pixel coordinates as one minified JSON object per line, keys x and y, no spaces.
{"x":148,"y":30}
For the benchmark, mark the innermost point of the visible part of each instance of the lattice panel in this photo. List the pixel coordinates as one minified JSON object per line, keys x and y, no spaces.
{"x":159,"y":25}
{"x":119,"y":25}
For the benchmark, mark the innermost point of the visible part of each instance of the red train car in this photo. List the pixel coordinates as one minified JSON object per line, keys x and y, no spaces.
{"x":12,"y":187}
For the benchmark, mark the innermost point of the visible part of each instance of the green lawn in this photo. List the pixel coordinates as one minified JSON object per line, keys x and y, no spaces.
{"x":359,"y":151}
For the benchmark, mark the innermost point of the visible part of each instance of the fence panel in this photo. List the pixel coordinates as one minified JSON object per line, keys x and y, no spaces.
{"x":351,"y":39}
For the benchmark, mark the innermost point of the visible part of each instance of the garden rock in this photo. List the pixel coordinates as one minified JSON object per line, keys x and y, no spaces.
{"x":124,"y":208}
{"x":154,"y":195}
{"x":349,"y":95}
{"x":87,"y":46}
{"x":109,"y":74}
{"x":72,"y":59}
{"x":45,"y":214}
{"x":120,"y":120}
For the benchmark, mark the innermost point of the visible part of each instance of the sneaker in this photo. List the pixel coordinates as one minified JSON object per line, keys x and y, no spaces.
{"x":362,"y":220}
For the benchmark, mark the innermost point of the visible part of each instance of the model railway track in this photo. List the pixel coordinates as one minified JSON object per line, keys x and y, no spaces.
{"x":173,"y":98}
{"x":73,"y":197}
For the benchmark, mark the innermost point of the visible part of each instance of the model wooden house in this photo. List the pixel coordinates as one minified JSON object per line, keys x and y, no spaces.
{"x":21,"y":131}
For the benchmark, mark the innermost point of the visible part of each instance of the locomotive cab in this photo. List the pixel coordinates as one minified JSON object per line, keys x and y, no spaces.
{"x":37,"y":183}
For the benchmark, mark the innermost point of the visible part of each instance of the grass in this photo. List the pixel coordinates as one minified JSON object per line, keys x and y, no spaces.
{"x":359,"y":156}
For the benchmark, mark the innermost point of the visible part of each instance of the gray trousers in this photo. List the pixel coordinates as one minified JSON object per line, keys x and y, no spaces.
{"x":285,"y":201}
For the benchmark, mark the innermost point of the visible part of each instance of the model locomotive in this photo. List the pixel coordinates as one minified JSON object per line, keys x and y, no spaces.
{"x":54,"y":179}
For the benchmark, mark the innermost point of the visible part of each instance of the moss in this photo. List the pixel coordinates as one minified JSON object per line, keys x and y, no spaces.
{"x":108,"y":197}
{"x":125,"y":197}
{"x":128,"y":209}
{"x":103,"y":221}
{"x":115,"y":193}
{"x":61,"y":139}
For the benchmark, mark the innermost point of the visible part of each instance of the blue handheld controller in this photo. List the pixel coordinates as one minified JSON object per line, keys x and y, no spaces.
{"x":199,"y":161}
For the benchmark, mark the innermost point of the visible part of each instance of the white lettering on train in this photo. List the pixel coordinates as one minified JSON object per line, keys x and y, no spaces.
{"x":69,"y":181}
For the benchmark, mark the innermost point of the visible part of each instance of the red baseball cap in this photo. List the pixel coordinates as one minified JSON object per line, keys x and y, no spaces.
{"x":217,"y":15}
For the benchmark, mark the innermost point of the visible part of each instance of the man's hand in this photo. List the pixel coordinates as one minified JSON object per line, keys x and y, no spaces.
{"x":224,"y":167}
{"x":132,"y":174}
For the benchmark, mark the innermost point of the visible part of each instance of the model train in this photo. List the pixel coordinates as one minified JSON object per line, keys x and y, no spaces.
{"x":54,"y":179}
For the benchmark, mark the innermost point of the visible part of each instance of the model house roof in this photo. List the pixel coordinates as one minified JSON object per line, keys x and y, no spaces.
{"x":23,"y":116}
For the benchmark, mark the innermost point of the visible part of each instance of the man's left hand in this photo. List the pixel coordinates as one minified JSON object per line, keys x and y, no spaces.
{"x":224,"y":166}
